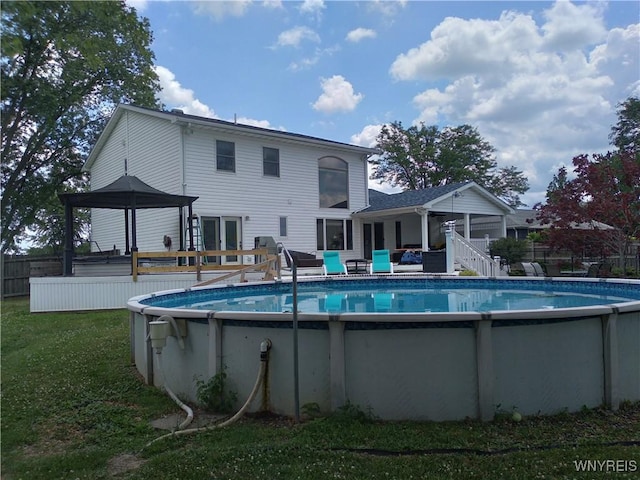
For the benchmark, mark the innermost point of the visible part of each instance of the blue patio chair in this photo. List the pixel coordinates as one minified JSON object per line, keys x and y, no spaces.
{"x":381,"y":262}
{"x":332,"y":264}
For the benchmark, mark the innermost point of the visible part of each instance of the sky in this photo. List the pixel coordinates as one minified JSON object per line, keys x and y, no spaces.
{"x":540,"y":81}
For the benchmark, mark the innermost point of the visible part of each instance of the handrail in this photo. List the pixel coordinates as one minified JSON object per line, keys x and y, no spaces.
{"x":296,"y":375}
{"x":473,"y":258}
{"x":193,"y":261}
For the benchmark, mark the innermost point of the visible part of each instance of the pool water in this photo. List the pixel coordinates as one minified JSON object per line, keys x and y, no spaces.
{"x":399,"y":296}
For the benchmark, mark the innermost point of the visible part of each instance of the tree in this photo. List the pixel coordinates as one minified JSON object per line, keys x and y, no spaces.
{"x":65,"y":66}
{"x":600,"y":208}
{"x":424,"y":156}
{"x":604,"y":194}
{"x":626,"y":133}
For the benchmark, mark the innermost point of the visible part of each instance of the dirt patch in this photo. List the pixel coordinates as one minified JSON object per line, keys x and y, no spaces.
{"x":123,"y":463}
{"x":200,"y":419}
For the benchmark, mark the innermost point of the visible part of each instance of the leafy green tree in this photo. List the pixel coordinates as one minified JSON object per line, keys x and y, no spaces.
{"x":626,"y":133}
{"x":65,"y":66}
{"x":424,"y":156}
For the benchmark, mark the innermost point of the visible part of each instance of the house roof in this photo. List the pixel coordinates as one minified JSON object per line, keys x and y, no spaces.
{"x":126,"y":192}
{"x":527,"y":219}
{"x":409,"y":198}
{"x":425,"y":198}
{"x":181,"y":118}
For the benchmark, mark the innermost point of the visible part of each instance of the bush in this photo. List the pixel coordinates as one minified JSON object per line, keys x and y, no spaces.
{"x":213,"y":396}
{"x":509,"y":249}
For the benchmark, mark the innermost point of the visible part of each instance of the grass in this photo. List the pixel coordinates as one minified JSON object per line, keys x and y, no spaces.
{"x":73,"y":407}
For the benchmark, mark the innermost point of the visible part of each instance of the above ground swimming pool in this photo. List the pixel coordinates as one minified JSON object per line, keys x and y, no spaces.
{"x":402,"y":295}
{"x":404,"y":346}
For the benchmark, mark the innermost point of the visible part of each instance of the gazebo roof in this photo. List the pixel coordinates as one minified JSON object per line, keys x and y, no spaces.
{"x":126,"y":192}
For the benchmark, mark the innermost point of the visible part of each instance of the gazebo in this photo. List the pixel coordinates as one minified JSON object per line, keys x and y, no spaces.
{"x":126,"y":193}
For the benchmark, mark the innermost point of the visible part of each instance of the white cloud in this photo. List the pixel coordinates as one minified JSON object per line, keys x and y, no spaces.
{"x":139,"y":5}
{"x":540,"y":94}
{"x":387,"y":8}
{"x":367,"y":136}
{"x":175,"y":95}
{"x":304,"y":64}
{"x":220,"y":9}
{"x":360,"y":34}
{"x":572,"y":26}
{"x":274,"y":4}
{"x":295,"y":36}
{"x":337,"y":96}
{"x":254,"y":123}
{"x":312,"y":7}
{"x":308,"y":62}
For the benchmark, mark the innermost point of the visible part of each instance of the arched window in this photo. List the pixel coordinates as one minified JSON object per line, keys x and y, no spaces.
{"x":333,"y":182}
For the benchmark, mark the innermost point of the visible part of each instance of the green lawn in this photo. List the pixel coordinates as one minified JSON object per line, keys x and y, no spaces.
{"x":73,"y":407}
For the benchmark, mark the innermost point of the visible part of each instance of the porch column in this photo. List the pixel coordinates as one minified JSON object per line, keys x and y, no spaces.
{"x":424,"y":221}
{"x":503,"y":219}
{"x":467,"y":226}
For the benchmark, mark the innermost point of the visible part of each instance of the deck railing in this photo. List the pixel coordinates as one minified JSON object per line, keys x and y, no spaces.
{"x":197,"y":262}
{"x":471,"y":257}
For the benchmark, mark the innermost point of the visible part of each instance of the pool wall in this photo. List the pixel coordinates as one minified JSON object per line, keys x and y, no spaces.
{"x":444,"y":366}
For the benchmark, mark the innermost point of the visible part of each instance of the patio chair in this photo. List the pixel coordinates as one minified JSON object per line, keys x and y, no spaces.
{"x":381,"y":262}
{"x":332,"y":264}
{"x":553,"y":269}
{"x":529,"y":271}
{"x":537,"y":268}
{"x":592,"y":271}
{"x":302,"y":259}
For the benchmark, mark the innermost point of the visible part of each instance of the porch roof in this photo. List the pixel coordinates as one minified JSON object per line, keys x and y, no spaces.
{"x":411,"y":198}
{"x":426,"y":198}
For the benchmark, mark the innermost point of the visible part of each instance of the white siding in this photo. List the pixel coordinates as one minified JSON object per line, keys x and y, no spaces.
{"x":468,"y":202}
{"x":153,"y":151}
{"x":261,"y":200}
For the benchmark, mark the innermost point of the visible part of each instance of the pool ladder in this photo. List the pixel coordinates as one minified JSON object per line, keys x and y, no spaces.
{"x":294,"y":283}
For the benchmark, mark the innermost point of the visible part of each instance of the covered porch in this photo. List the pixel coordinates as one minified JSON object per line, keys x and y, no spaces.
{"x":417,"y":221}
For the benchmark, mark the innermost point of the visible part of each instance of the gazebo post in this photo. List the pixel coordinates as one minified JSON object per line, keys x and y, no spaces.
{"x":134,"y":240}
{"x":127,"y":249}
{"x":67,"y":257}
{"x":181,"y":220}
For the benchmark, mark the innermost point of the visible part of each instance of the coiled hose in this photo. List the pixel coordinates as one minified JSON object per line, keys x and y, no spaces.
{"x":261,"y":374}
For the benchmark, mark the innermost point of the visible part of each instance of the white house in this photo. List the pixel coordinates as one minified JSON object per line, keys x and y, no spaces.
{"x":243,"y":182}
{"x":309,"y":193}
{"x":250,"y":182}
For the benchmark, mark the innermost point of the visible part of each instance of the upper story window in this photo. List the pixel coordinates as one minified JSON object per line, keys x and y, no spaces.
{"x":225,"y":156}
{"x":271,"y":161}
{"x":333,"y":182}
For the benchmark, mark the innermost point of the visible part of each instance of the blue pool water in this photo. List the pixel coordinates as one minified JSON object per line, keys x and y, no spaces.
{"x":402,"y":296}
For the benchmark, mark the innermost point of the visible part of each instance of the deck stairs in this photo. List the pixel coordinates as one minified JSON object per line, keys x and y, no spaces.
{"x":471,"y":257}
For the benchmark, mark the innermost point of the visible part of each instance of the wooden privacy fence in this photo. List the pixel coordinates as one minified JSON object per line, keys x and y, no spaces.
{"x":198,"y":262}
{"x":16,"y":271}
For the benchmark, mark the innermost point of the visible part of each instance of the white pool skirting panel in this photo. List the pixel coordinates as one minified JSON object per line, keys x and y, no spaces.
{"x":58,"y":294}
